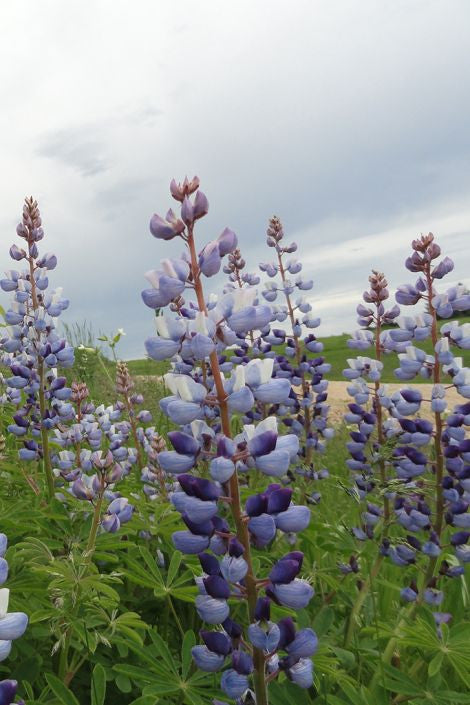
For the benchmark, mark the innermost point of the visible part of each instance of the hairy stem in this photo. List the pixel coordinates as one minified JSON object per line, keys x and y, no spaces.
{"x":41,"y":393}
{"x":380,"y":430}
{"x":298,"y":356}
{"x":438,"y":524}
{"x":360,"y":599}
{"x":259,"y":677}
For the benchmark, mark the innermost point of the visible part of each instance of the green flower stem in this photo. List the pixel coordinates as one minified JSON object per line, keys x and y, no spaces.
{"x":360,"y":599}
{"x":67,"y":673}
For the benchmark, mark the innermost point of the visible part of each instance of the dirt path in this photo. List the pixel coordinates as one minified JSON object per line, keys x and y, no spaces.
{"x":338,"y":398}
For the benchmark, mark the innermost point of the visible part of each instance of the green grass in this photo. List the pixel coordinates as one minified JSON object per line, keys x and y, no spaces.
{"x":147,"y":367}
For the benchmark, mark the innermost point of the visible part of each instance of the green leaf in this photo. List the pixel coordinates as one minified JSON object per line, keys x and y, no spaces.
{"x":60,"y":690}
{"x":435,"y":664}
{"x":173,"y":568}
{"x":163,"y":651}
{"x":186,"y":657}
{"x":398,"y":682}
{"x":143,"y":675}
{"x":346,"y":658}
{"x":151,"y":565}
{"x":123,"y":683}
{"x":323,"y":620}
{"x":353,"y":693}
{"x":145,"y":700}
{"x":98,"y":685}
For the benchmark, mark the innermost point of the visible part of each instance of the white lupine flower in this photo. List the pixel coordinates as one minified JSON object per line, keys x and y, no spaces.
{"x":4,"y":599}
{"x":162,"y":326}
{"x":243,"y":298}
{"x":239,"y":378}
{"x":200,"y":323}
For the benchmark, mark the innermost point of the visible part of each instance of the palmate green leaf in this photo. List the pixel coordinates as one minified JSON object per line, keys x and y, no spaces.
{"x":147,"y":655}
{"x":163,"y":651}
{"x":65,"y":696}
{"x":98,"y":584}
{"x":185,"y":594}
{"x":201,"y":696}
{"x":98,"y":685}
{"x":460,"y":636}
{"x":162,"y":688}
{"x":143,"y":675}
{"x":398,"y":682}
{"x":137,"y":574}
{"x":129,"y":633}
{"x":421,"y":635}
{"x":461,"y":666}
{"x":145,"y":700}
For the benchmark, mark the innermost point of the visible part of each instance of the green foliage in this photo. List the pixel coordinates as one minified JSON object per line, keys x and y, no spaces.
{"x":126,"y":615}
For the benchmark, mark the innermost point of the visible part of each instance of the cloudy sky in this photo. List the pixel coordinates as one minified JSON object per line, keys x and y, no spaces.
{"x":349,"y":119}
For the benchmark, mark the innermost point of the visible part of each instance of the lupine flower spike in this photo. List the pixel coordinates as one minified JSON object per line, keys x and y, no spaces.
{"x":201,"y":402}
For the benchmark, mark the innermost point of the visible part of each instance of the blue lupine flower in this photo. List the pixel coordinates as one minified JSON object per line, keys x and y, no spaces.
{"x":301,"y":673}
{"x":303,"y":645}
{"x":296,"y":594}
{"x":187,"y":542}
{"x":294,"y":519}
{"x":8,"y":690}
{"x":263,"y":528}
{"x":222,"y":469}
{"x":264,"y":636}
{"x":12,"y":625}
{"x":207,"y":660}
{"x":233,"y":684}
{"x":212,"y":610}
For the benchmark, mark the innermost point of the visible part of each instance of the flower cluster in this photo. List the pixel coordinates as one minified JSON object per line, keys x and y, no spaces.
{"x":206,"y":387}
{"x":30,"y":345}
{"x":234,"y":268}
{"x":94,"y":456}
{"x":368,"y":466}
{"x":423,"y":476}
{"x":306,"y":410}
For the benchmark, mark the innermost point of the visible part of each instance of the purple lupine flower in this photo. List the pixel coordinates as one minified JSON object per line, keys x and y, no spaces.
{"x":205,"y":387}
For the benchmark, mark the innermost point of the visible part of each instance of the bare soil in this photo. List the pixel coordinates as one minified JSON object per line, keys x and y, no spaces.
{"x":338,"y":398}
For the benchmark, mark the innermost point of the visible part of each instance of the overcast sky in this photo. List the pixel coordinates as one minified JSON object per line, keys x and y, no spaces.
{"x":350,"y":120}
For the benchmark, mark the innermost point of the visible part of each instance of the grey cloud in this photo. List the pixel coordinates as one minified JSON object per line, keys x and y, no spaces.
{"x":76,"y":148}
{"x":347,"y":119}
